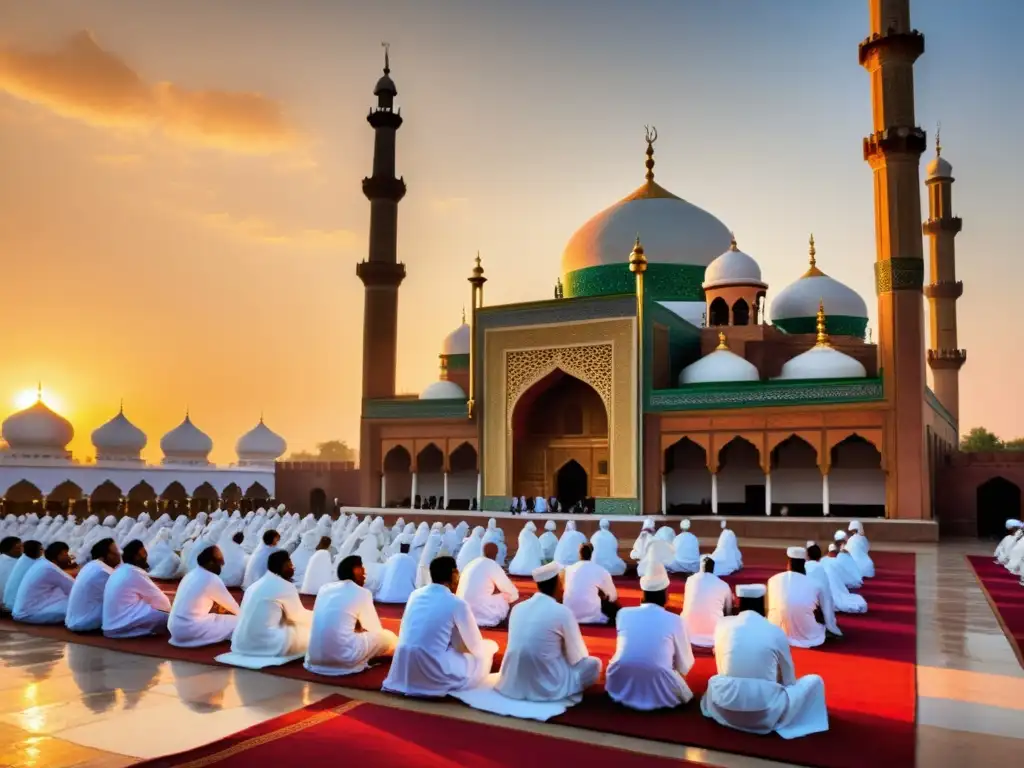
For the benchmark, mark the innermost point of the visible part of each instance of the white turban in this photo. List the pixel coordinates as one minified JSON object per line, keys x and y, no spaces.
{"x":684,"y":526}
{"x":796,"y":553}
{"x":546,"y":572}
{"x":751,"y":590}
{"x":840,"y":536}
{"x":832,"y":548}
{"x":810,"y":544}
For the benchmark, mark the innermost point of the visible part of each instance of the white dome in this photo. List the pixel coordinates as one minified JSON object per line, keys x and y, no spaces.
{"x":457,"y":342}
{"x":800,"y":300}
{"x":37,"y":430}
{"x":118,"y":438}
{"x":722,"y":365}
{"x":186,"y":443}
{"x":260,"y":444}
{"x":939,"y":168}
{"x":443,"y":390}
{"x":822,"y":362}
{"x":733,"y":267}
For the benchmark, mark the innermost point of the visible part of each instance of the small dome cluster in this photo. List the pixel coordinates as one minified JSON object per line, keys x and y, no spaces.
{"x":722,"y":365}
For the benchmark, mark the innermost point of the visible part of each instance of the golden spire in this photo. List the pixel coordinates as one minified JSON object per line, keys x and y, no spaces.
{"x":39,"y":392}
{"x":813,"y":270}
{"x":732,"y":242}
{"x":822,"y":340}
{"x":463,"y":314}
{"x":651,"y":135}
{"x":637,"y":260}
{"x":938,"y":141}
{"x":721,"y":341}
{"x":387,"y":57}
{"x":478,"y":269}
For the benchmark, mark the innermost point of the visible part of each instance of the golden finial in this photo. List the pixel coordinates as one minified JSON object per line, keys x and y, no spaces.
{"x":732,"y":242}
{"x":938,"y":140}
{"x":122,"y":407}
{"x":39,"y":392}
{"x":651,"y":135}
{"x":637,"y":259}
{"x":387,"y":57}
{"x":722,"y":344}
{"x":463,"y":314}
{"x":813,"y":252}
{"x":478,"y":268}
{"x":813,"y":270}
{"x":822,"y":340}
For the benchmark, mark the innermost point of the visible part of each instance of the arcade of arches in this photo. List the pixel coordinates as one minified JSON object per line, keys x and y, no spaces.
{"x":423,"y":474}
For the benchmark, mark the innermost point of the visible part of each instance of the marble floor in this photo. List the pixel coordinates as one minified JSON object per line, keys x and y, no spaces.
{"x":67,"y":705}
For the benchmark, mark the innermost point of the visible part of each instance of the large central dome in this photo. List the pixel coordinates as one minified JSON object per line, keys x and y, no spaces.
{"x":679,"y":238}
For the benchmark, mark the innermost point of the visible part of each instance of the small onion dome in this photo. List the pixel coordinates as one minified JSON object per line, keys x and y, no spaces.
{"x":733,"y":267}
{"x":794,"y":307}
{"x":939,"y":168}
{"x":260,"y":444}
{"x":457,"y":342}
{"x":37,"y":429}
{"x":386,"y":85}
{"x":186,"y":443}
{"x":118,"y":438}
{"x":722,"y":365}
{"x":822,"y":361}
{"x":443,"y":390}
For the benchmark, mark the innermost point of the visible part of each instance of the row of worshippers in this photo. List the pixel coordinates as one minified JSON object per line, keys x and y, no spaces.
{"x":1010,"y":551}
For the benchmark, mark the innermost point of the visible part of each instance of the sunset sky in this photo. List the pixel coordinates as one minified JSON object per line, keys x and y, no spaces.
{"x":180,"y":202}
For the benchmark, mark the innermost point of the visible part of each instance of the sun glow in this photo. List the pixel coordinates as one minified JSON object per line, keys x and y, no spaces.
{"x":28,"y":397}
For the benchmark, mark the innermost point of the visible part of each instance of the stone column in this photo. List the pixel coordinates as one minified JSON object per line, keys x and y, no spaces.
{"x":714,"y":493}
{"x":479,"y":486}
{"x":383,"y":489}
{"x":444,"y":497}
{"x":768,"y":493}
{"x":664,"y":496}
{"x":824,"y":494}
{"x":412,"y":492}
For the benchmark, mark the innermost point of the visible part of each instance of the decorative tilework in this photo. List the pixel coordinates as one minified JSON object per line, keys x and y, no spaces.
{"x":838,"y":325}
{"x":591,"y":363}
{"x":675,"y":282}
{"x":617,"y":506}
{"x":898,"y":274}
{"x":763,"y":394}
{"x":413,"y":408}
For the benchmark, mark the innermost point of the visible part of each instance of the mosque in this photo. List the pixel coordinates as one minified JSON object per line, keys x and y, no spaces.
{"x":37,"y":471}
{"x":665,"y":376}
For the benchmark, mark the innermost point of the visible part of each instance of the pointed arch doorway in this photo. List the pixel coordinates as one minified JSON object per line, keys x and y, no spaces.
{"x":571,"y":484}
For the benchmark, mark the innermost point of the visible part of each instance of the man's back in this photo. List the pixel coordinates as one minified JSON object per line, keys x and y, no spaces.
{"x":792,"y":599}
{"x":478,"y":580}
{"x":750,"y":647}
{"x":645,"y":637}
{"x":429,"y":619}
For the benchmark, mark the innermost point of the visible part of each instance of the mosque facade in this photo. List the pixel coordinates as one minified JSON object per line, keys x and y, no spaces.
{"x":664,"y":375}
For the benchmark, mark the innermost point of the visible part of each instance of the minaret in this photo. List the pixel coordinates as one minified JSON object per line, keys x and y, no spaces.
{"x":894,"y":152}
{"x":944,"y":356}
{"x":382,"y":273}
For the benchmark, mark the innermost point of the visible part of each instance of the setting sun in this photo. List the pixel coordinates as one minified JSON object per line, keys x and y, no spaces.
{"x":27,"y":397}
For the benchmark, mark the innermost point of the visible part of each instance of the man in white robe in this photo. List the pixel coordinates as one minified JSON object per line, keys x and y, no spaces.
{"x":568,"y":550}
{"x":10,"y":551}
{"x":235,"y":559}
{"x":304,"y":553}
{"x":32,"y":550}
{"x":643,"y":540}
{"x":706,"y":600}
{"x":548,"y":541}
{"x":257,"y":565}
{"x":793,"y":601}
{"x":756,"y":689}
{"x":727,"y":556}
{"x":133,"y":606}
{"x":320,"y":571}
{"x":817,"y":574}
{"x":398,"y":579}
{"x":430,"y":550}
{"x":272,"y":622}
{"x":494,"y":535}
{"x":606,"y":550}
{"x":43,"y":595}
{"x":204,"y":612}
{"x":858,"y":546}
{"x":851,"y":572}
{"x":589,"y":590}
{"x":546,"y":658}
{"x":686,"y":551}
{"x":346,"y":632}
{"x":487,"y":589}
{"x":1002,"y":553}
{"x":471,"y":549}
{"x":85,"y":604}
{"x":440,"y":648}
{"x":529,"y":556}
{"x":652,"y":652}
{"x":843,"y":599}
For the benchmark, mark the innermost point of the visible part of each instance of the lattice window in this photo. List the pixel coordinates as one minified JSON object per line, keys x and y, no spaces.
{"x":591,"y":363}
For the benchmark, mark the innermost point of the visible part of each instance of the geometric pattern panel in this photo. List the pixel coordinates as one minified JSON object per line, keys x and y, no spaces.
{"x":591,"y":363}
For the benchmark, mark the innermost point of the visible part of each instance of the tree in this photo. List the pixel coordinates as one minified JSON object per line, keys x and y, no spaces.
{"x":1017,"y":444}
{"x":331,"y":450}
{"x":303,"y":456}
{"x":979,"y":440}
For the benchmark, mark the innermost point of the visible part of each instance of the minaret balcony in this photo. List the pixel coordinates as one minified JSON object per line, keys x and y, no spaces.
{"x":947,"y":359}
{"x":384,"y":118}
{"x":383,"y":188}
{"x":945,"y":290}
{"x":952,"y":224}
{"x":896,"y":140}
{"x":905,"y":45}
{"x":381,"y":273}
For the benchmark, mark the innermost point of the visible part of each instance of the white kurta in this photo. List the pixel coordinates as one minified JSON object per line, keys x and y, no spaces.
{"x":494,"y":536}
{"x":851,"y":573}
{"x":706,"y":600}
{"x":319,"y":573}
{"x":7,"y":564}
{"x":43,"y":594}
{"x":487,"y":590}
{"x":727,"y":556}
{"x":85,"y":604}
{"x":756,"y":689}
{"x":336,"y":647}
{"x":548,"y":544}
{"x":858,"y":546}
{"x":191,"y":622}
{"x":272,"y":620}
{"x":568,"y":550}
{"x":606,"y":552}
{"x":256,"y":568}
{"x":687,"y":554}
{"x":529,"y":556}
{"x":792,"y":599}
{"x":843,"y":599}
{"x":14,"y":580}
{"x":582,"y":582}
{"x":546,"y":658}
{"x":652,"y":654}
{"x":471,"y":549}
{"x":133,"y":605}
{"x":1002,"y":554}
{"x":440,"y":648}
{"x":816,"y":573}
{"x":398,"y":580}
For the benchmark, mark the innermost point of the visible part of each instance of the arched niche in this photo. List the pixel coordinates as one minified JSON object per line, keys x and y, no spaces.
{"x":998,"y":500}
{"x":796,"y":478}
{"x":430,"y":467}
{"x":463,"y":465}
{"x":740,"y":312}
{"x":397,"y":467}
{"x":856,"y":478}
{"x":741,"y":483}
{"x":318,"y":501}
{"x":718,"y":312}
{"x":687,"y":480}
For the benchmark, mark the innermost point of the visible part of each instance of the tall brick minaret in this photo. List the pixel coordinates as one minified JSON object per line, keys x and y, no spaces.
{"x":382,"y":273}
{"x":944,"y":356}
{"x":894,"y":151}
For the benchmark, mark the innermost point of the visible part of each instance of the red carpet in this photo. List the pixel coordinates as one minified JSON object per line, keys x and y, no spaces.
{"x":374,"y":735}
{"x":1006,"y":596}
{"x":869,"y":674}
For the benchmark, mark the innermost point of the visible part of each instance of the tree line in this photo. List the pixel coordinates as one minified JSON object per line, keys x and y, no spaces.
{"x":980,"y":440}
{"x":330,"y":450}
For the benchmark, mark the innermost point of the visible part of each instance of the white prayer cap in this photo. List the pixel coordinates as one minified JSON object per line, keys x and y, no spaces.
{"x":684,"y":526}
{"x":856,"y":525}
{"x":530,"y":526}
{"x":1012,"y":523}
{"x":832,"y":548}
{"x":492,"y":523}
{"x":549,"y":525}
{"x":546,"y":572}
{"x":648,"y":524}
{"x":840,"y":536}
{"x":605,"y":525}
{"x":724,"y":525}
{"x":751,"y":590}
{"x":656,"y":579}
{"x":796,"y":553}
{"x":811,"y":544}
{"x":571,"y":525}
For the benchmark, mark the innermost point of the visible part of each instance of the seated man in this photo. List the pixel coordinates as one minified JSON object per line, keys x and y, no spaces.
{"x":235,"y":559}
{"x":346,"y":631}
{"x":487,"y":588}
{"x":843,"y":599}
{"x":852,"y":576}
{"x":204,"y":612}
{"x":1002,"y":554}
{"x":652,"y":653}
{"x":686,"y":551}
{"x":398,"y":580}
{"x":546,"y":658}
{"x":440,"y":648}
{"x":43,"y":594}
{"x":31,"y":551}
{"x":858,"y":546}
{"x":320,"y":571}
{"x":793,"y":602}
{"x":567,"y":552}
{"x":548,"y":541}
{"x":273,"y":622}
{"x":85,"y":604}
{"x":606,"y":550}
{"x":256,"y":567}
{"x":706,"y":600}
{"x":756,"y":689}
{"x":133,"y":606}
{"x":819,"y":576}
{"x":10,"y":551}
{"x":589,"y":590}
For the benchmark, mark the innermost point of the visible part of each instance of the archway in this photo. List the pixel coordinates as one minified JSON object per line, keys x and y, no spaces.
{"x":397,"y":478}
{"x":796,"y":479}
{"x":256,"y":496}
{"x":22,"y":498}
{"x":429,"y":477}
{"x":740,"y":312}
{"x":204,"y":498}
{"x":558,"y":420}
{"x":62,"y":499}
{"x":462,"y":472}
{"x":998,"y":501}
{"x":687,"y":480}
{"x":740,"y":481}
{"x":105,"y":499}
{"x":142,"y":498}
{"x":173,"y":499}
{"x":570,"y":484}
{"x":856,"y":480}
{"x":718,"y":312}
{"x":317,"y":501}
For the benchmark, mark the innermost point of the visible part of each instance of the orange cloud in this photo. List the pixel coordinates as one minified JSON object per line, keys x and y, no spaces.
{"x":253,"y":228}
{"x":83,"y":81}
